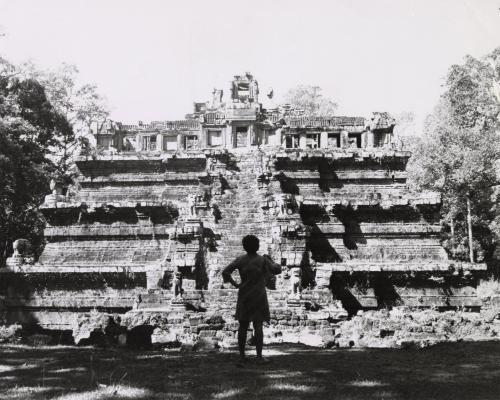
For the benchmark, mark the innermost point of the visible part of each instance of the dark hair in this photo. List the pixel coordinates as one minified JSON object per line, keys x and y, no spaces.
{"x":250,"y":244}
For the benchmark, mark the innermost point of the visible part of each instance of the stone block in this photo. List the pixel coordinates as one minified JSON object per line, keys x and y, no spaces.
{"x":326,"y":332}
{"x":195,"y":321}
{"x":160,"y":336}
{"x":207,"y":333}
{"x":228,"y":343}
{"x":318,"y":315}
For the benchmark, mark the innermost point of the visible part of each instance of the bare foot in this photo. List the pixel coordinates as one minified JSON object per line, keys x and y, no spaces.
{"x":263,"y":360}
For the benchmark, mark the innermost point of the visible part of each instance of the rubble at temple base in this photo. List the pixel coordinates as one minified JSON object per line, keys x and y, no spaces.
{"x":402,"y":327}
{"x":138,"y":248}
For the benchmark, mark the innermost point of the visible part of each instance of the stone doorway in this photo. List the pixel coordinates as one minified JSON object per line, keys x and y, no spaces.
{"x":240,"y":138}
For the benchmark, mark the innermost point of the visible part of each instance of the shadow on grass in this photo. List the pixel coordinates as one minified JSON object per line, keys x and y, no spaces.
{"x":449,"y":371}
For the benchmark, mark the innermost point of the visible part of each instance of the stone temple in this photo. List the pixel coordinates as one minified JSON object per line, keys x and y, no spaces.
{"x":161,"y":208}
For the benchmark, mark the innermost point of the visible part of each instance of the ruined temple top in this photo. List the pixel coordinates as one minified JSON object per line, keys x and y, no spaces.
{"x":241,"y":121}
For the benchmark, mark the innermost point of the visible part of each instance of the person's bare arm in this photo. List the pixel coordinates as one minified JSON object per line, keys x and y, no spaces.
{"x":227,"y":273}
{"x":271,"y":265}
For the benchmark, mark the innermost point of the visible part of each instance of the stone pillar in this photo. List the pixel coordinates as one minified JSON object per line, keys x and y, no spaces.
{"x":203,"y":138}
{"x":323,"y":140}
{"x":118,"y":141}
{"x":159,"y":142}
{"x":250,"y":135}
{"x":302,"y":140}
{"x":180,"y":147}
{"x":223,"y":138}
{"x":231,"y":137}
{"x":388,"y":139}
{"x":228,"y":136}
{"x":369,"y":139}
{"x":344,"y":139}
{"x":278,"y":137}
{"x":138,"y":142}
{"x":363,"y":140}
{"x":385,"y":139}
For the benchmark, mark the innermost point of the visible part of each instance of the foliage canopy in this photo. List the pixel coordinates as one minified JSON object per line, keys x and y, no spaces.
{"x":457,"y":155}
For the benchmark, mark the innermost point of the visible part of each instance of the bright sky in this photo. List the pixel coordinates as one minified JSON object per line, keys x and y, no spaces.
{"x":152,"y":59}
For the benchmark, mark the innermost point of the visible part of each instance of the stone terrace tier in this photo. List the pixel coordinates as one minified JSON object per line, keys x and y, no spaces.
{"x":160,"y":209}
{"x":154,"y":232}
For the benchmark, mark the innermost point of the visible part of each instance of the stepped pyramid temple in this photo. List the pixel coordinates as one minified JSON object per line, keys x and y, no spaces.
{"x":160,"y":209}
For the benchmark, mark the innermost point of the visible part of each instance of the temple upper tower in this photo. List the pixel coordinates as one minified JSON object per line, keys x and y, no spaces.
{"x":245,"y":89}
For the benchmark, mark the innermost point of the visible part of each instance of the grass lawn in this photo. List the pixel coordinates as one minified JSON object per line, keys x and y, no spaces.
{"x":450,"y":371}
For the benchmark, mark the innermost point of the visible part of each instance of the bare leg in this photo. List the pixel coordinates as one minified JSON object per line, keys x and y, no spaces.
{"x":242,"y":337}
{"x":259,"y":337}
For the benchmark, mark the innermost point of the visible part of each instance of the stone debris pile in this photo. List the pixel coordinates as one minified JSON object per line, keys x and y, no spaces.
{"x":403,"y":328}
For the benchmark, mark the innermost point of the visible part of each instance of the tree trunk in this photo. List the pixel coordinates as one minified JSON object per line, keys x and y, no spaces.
{"x":3,"y":253}
{"x":469,"y":228}
{"x":452,"y":228}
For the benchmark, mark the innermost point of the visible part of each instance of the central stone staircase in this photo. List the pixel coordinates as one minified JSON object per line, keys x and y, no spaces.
{"x":241,"y":212}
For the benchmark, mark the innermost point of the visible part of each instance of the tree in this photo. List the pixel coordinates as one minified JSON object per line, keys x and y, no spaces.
{"x":308,"y":100}
{"x":82,"y":106}
{"x":458,"y":152}
{"x":44,"y":116}
{"x":473,"y":91}
{"x":29,"y":126}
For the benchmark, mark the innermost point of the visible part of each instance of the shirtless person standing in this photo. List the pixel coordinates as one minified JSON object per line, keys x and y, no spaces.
{"x":252,"y":305}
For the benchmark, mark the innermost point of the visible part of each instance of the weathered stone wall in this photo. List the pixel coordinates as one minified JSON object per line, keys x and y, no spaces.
{"x":343,"y":225}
